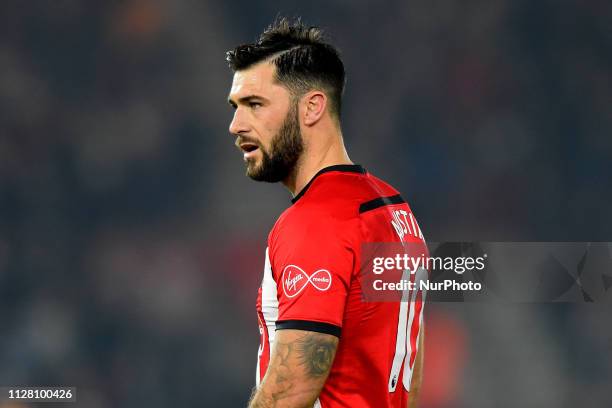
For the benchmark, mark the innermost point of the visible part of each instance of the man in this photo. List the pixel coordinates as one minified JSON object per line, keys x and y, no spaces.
{"x":321,"y":344}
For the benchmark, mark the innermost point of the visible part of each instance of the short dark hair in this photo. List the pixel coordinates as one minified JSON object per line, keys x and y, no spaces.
{"x":303,"y":60}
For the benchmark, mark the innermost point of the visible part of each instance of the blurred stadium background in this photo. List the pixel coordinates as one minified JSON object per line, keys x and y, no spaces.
{"x":131,"y":244}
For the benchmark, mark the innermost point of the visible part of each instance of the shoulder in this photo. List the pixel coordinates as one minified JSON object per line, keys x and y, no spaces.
{"x":330,"y":209}
{"x":314,"y":223}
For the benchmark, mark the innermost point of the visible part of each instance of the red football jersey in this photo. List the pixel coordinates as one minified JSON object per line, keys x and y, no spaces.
{"x":312,"y":282}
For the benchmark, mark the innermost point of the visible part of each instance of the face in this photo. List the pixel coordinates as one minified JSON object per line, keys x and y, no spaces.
{"x":266,"y":124}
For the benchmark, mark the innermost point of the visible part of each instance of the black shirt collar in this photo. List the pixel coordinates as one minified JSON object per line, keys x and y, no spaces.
{"x":347,"y":168}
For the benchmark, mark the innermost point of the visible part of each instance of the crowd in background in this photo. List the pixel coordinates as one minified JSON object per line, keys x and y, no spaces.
{"x":132,"y":244}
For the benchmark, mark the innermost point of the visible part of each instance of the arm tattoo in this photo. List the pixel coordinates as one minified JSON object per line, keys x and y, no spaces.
{"x":306,"y":359}
{"x":316,"y":353}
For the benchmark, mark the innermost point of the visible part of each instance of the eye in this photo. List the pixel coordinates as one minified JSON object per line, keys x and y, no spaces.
{"x":254,"y":105}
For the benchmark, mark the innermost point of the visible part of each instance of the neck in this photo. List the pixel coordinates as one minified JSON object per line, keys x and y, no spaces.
{"x":316,"y":156}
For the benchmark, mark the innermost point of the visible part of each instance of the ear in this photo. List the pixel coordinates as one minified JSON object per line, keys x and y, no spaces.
{"x":314,"y":104}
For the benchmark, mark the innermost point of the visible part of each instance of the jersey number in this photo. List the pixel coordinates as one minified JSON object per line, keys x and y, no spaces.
{"x":407,"y":324}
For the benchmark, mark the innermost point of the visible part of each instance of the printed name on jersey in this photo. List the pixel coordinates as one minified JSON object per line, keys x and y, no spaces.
{"x":295,"y":280}
{"x":402,"y":222}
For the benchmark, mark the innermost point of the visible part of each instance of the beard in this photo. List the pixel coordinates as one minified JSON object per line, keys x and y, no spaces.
{"x":285,"y":150}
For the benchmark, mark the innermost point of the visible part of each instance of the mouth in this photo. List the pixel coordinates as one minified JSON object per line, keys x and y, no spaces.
{"x":248,"y":149}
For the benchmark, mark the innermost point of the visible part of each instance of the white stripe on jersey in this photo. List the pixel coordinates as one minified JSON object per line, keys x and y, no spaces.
{"x":269,"y":306}
{"x":259,"y":352}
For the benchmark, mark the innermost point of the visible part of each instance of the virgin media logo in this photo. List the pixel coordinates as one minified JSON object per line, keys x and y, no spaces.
{"x":295,"y":280}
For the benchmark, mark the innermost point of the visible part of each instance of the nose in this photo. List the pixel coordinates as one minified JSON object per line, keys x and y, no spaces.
{"x":238,"y":125}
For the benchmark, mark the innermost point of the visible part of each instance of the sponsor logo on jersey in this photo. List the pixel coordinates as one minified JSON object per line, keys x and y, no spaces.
{"x":295,"y":280}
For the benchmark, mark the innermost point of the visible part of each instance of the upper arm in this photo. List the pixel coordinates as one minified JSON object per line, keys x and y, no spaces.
{"x":299,"y":365}
{"x":313,"y":268}
{"x":312,"y":277}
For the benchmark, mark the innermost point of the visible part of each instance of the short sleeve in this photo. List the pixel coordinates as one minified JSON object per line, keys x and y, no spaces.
{"x":312,"y":264}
